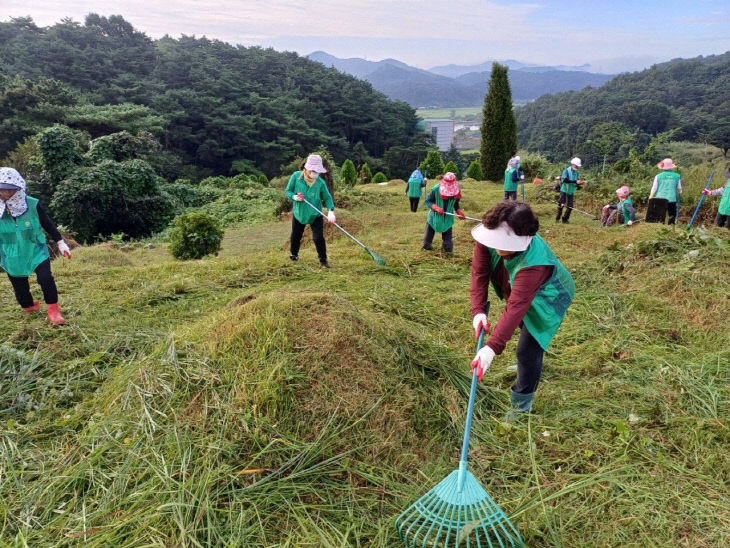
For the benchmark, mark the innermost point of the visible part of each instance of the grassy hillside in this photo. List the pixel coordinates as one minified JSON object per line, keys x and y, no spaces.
{"x":245,"y":400}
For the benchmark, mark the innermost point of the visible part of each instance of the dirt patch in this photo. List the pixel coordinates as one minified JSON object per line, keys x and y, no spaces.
{"x":344,"y":219}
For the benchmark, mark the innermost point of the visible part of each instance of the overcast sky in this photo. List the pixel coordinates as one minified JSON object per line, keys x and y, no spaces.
{"x":611,"y":35}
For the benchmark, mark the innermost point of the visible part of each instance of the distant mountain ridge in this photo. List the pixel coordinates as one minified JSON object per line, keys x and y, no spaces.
{"x":459,"y":85}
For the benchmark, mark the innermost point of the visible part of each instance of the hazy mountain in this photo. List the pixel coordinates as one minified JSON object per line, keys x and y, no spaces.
{"x":454,"y":71}
{"x":458,"y":85}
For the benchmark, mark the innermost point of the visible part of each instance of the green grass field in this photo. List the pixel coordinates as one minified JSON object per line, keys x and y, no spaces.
{"x":244,"y":400}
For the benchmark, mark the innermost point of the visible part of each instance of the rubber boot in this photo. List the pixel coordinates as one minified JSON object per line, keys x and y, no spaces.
{"x":560,"y":213}
{"x":519,"y":403}
{"x":54,"y":315}
{"x":34,"y":308}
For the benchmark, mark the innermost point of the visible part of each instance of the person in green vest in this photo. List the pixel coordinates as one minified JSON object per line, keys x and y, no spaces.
{"x":512,"y":175}
{"x":624,"y":209}
{"x":414,"y":188}
{"x":723,"y":210}
{"x":443,"y":198}
{"x":568,"y":184}
{"x":667,"y":185}
{"x":23,"y":248}
{"x":510,"y":255}
{"x":307,"y":185}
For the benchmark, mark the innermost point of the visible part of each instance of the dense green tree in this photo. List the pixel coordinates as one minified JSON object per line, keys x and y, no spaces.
{"x":348,"y":173}
{"x":366,"y":175}
{"x":453,"y":168}
{"x":499,"y":127}
{"x":475,"y":171}
{"x":453,"y":155}
{"x":433,"y":165}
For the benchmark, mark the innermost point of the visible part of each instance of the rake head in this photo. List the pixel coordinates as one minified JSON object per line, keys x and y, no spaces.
{"x":378,"y":259}
{"x":448,"y":516}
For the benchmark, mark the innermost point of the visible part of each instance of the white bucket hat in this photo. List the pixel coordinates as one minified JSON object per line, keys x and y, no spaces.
{"x":502,"y":238}
{"x":314,"y":163}
{"x":576,"y":161}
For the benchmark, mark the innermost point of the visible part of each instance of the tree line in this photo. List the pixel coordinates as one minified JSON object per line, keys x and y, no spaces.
{"x":215,"y":108}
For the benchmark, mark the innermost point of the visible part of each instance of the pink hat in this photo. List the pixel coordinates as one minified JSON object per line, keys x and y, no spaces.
{"x":448,"y":187}
{"x":666,"y":163}
{"x":314,"y":163}
{"x":623,"y":191}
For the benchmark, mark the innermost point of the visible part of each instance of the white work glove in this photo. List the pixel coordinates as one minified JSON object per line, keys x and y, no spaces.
{"x":482,"y":361}
{"x":63,"y":249}
{"x":630,"y":223}
{"x":522,"y":177}
{"x":331,"y":217}
{"x":480,"y":320}
{"x":606,"y":206}
{"x":299,"y":197}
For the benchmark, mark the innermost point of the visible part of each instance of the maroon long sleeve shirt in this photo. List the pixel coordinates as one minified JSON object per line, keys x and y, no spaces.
{"x":518,"y":297}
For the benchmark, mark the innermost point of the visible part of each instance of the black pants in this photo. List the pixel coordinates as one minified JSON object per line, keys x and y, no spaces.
{"x":529,"y":363}
{"x":414,"y":204}
{"x":672,"y":212}
{"x":723,"y":220}
{"x":297,"y":229}
{"x":21,"y":286}
{"x":447,"y":236}
{"x":510,"y":194}
{"x":565,"y":199}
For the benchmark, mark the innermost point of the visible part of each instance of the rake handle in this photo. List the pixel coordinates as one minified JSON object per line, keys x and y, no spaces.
{"x":470,"y":410}
{"x":338,"y":226}
{"x":465,"y":217}
{"x":702,"y":199}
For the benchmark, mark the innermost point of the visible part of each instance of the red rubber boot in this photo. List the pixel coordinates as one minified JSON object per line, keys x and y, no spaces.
{"x":34,"y":308}
{"x":54,"y":315}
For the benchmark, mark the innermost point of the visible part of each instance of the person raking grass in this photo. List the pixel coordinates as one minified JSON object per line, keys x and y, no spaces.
{"x":308,"y":184}
{"x":23,"y":247}
{"x":537,"y":288}
{"x":444,"y":197}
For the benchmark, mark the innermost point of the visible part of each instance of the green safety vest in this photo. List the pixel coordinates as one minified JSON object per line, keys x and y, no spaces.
{"x":724,"y":207}
{"x":570,"y":173}
{"x":554,"y":296}
{"x":509,"y":184}
{"x":415,"y":190}
{"x":666,"y":185}
{"x":22,"y":242}
{"x":314,"y":194}
{"x":441,"y":223}
{"x":624,"y":211}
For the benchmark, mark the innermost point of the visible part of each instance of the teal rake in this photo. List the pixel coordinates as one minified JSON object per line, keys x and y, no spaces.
{"x":458,"y":511}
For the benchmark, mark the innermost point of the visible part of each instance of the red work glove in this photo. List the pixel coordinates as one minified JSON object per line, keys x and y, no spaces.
{"x":299,"y":197}
{"x":482,"y":361}
{"x":437,"y":209}
{"x":460,"y":214}
{"x":479,"y":322}
{"x":705,"y":192}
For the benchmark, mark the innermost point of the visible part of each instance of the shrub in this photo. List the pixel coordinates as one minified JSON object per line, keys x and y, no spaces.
{"x":348,"y":173}
{"x":475,"y":171}
{"x":433,"y":165}
{"x":195,"y":235}
{"x":453,"y":168}
{"x":112,"y":197}
{"x":366,"y":175}
{"x":379,"y":177}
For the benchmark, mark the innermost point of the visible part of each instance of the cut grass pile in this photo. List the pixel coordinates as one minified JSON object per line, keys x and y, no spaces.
{"x":247,"y":400}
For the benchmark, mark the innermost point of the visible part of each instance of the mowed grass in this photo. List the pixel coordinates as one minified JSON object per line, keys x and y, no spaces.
{"x":244,"y":400}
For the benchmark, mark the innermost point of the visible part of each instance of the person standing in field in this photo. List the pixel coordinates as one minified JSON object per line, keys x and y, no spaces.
{"x":443,"y":198}
{"x":414,"y":188}
{"x":305,"y":186}
{"x":510,"y":255}
{"x":568,"y":184}
{"x":667,"y":185}
{"x":23,"y":248}
{"x":723,"y":210}
{"x":511,"y":178}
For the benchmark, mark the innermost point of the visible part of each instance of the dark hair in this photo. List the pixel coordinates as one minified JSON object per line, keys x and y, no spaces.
{"x":518,"y":216}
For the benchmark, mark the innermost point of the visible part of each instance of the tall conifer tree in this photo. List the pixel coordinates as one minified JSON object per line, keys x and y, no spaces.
{"x":499,"y":127}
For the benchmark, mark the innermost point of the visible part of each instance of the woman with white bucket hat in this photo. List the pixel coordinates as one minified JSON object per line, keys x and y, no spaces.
{"x":537,"y":288}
